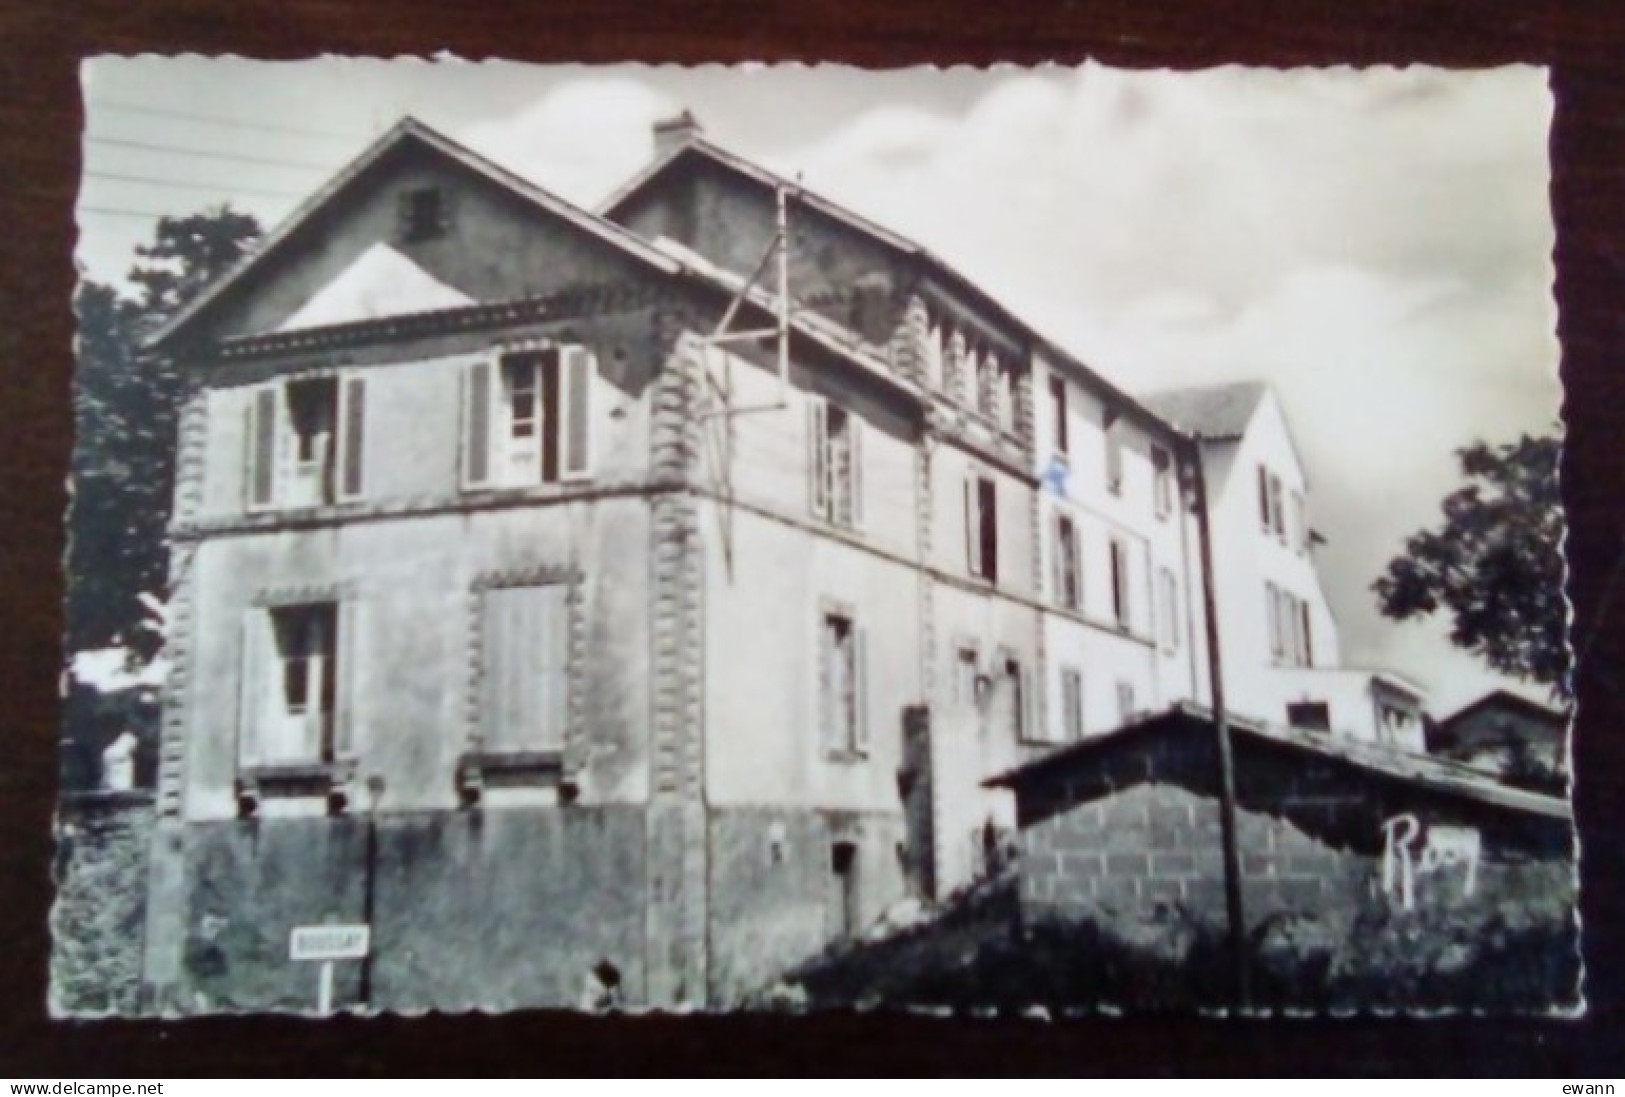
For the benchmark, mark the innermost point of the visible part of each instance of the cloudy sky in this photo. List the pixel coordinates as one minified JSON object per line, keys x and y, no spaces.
{"x":1376,"y":244}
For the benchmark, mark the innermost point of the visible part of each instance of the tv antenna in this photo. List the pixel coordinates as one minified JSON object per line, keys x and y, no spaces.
{"x":721,"y":413}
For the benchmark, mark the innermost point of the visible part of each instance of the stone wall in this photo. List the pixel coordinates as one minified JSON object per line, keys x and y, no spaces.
{"x":96,"y":922}
{"x":483,"y":909}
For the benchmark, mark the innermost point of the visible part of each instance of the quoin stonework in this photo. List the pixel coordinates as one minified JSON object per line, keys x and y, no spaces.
{"x":621,"y":607}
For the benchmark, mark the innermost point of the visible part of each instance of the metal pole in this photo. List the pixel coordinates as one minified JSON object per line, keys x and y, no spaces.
{"x":1234,"y":911}
{"x":324,"y":988}
{"x":375,"y":792}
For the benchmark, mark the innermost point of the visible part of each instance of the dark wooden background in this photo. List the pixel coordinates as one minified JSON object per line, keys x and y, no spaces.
{"x":41,"y":42}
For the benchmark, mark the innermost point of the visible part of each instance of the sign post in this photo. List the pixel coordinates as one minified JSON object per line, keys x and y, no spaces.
{"x":325,"y":944}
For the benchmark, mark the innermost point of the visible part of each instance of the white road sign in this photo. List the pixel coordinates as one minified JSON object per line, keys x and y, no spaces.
{"x":329,"y":942}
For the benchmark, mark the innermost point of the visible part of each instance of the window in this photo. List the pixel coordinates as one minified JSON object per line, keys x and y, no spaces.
{"x":1291,"y":640}
{"x":305,"y":442}
{"x":1309,"y":715}
{"x":1120,"y":582}
{"x":1071,"y":704}
{"x":1068,"y":564}
{"x":524,"y":668}
{"x":1125,"y":701}
{"x":526,"y":418}
{"x":841,"y":685}
{"x":1057,"y":406}
{"x":965,"y":674}
{"x":1019,"y":699}
{"x":1170,"y":608}
{"x":1004,"y":392}
{"x":982,"y":528}
{"x":1300,"y":522}
{"x":1162,"y":483}
{"x":1271,"y":504}
{"x":836,"y":465}
{"x":1114,"y":452}
{"x":291,"y":678}
{"x":1272,"y":606}
{"x":845,"y":900}
{"x":423,"y":214}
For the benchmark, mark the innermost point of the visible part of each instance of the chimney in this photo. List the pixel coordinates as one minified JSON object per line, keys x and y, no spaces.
{"x":672,"y":134}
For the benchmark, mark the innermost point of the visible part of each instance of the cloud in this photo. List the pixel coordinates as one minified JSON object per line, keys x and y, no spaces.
{"x":1375,"y":243}
{"x":581,"y":139}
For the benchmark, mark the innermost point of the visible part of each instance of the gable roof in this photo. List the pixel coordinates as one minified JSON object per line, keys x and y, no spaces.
{"x":407,"y":130}
{"x":1505,"y":699}
{"x":698,"y":147}
{"x":1217,"y":413}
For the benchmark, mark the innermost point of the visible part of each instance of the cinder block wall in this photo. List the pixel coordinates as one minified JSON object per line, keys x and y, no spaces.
{"x":1159,"y":844}
{"x":1134,"y":833}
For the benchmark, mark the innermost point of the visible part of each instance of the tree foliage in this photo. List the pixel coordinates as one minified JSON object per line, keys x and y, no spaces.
{"x":1494,"y":564}
{"x":125,"y":410}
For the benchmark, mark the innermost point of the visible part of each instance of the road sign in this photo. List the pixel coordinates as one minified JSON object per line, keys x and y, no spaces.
{"x":329,"y":943}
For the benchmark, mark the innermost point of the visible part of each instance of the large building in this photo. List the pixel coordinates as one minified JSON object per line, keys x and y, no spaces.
{"x":558,"y":596}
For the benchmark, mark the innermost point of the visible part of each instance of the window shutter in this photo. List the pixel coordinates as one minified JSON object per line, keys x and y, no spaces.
{"x":818,"y":459}
{"x":253,"y":674}
{"x":352,"y":436}
{"x":262,"y":448}
{"x":1058,"y":561}
{"x":854,"y":428}
{"x":576,"y":374}
{"x":1264,"y":496}
{"x":1029,"y":706}
{"x":826,"y":683}
{"x":550,"y":641}
{"x":860,"y":689}
{"x":973,"y":528}
{"x":345,"y":670}
{"x":477,"y":425}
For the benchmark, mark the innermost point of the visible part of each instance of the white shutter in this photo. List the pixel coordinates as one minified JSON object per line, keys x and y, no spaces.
{"x":818,"y":459}
{"x":352,"y":411}
{"x":575,"y":398}
{"x":860,"y":689}
{"x":854,"y":429}
{"x":253,"y":674}
{"x":551,"y":621}
{"x":973,"y":528}
{"x":826,"y":682}
{"x":346,"y":673}
{"x":262,"y":454}
{"x":478,"y":402}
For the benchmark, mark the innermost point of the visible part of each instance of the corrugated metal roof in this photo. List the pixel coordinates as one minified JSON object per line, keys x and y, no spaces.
{"x":1216,"y":412}
{"x":1438,"y":775}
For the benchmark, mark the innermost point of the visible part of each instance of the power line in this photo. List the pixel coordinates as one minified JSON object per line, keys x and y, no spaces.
{"x":111,"y":211}
{"x":232,"y":188}
{"x":172,"y":149}
{"x":159,"y":112}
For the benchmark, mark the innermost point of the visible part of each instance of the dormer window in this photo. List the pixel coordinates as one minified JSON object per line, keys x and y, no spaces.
{"x":422,"y":215}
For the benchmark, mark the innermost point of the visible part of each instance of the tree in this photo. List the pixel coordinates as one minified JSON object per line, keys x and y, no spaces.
{"x":122,"y":472}
{"x":1494,"y":564}
{"x":125,"y":411}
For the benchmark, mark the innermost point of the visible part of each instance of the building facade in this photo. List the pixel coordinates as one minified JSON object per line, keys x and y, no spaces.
{"x":551,"y":600}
